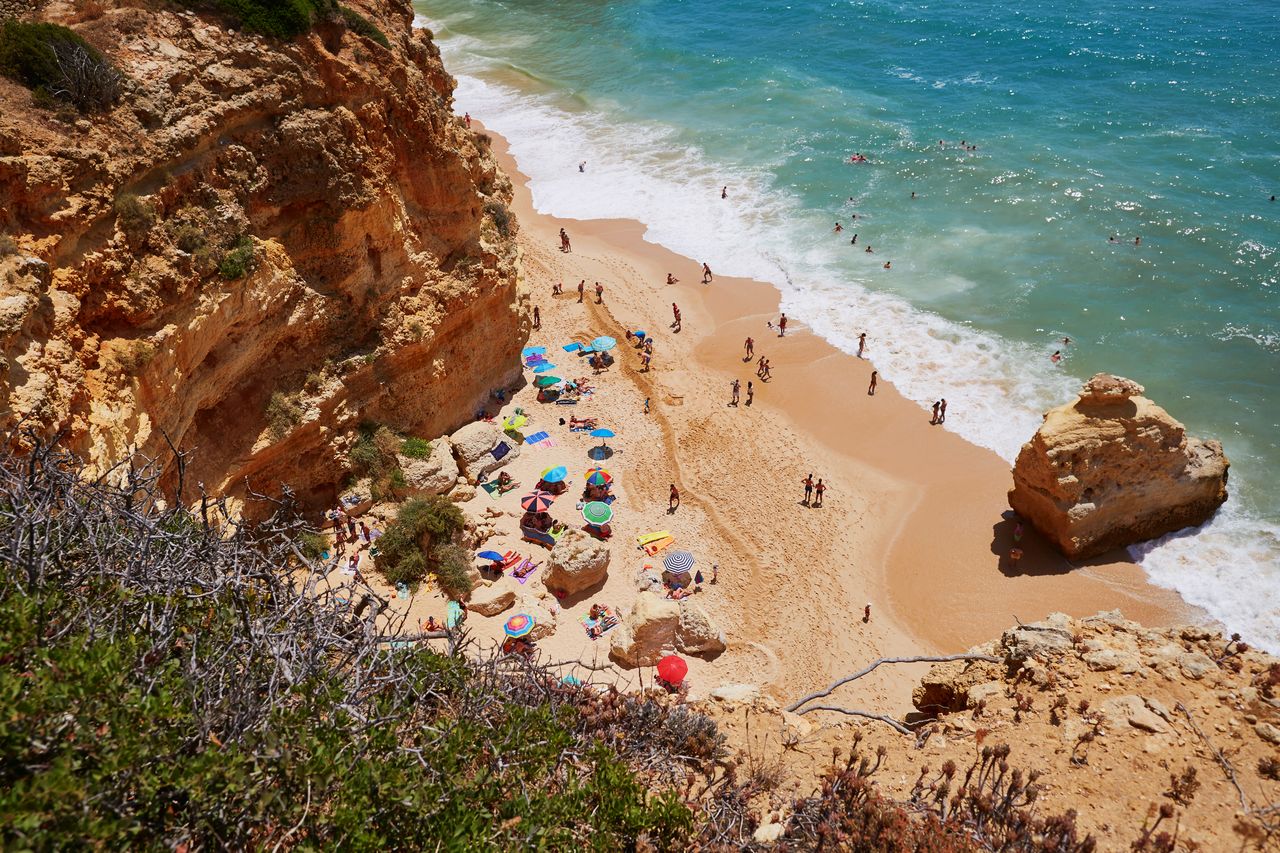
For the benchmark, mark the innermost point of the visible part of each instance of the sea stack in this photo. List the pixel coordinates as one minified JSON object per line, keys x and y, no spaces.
{"x":1113,"y":468}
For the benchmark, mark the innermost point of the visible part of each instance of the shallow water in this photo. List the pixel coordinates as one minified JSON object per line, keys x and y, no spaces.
{"x":1091,"y":120}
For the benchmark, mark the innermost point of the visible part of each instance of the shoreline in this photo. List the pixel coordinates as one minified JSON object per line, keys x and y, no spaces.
{"x":899,"y":486}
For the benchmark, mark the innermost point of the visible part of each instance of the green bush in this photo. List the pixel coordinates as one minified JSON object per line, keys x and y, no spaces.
{"x":134,"y":216}
{"x":312,"y":544}
{"x":500,"y":215}
{"x":282,"y":19}
{"x":135,"y":356}
{"x":420,"y":542}
{"x":415,"y":448}
{"x":57,"y":64}
{"x":188,"y":237}
{"x":362,"y":26}
{"x":238,"y":262}
{"x":284,"y":412}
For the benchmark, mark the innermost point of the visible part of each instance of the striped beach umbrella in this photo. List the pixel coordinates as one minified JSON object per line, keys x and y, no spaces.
{"x":555,"y":475}
{"x":599,"y":477}
{"x":518,"y":625}
{"x":537,"y":501}
{"x":597,"y":513}
{"x":678,"y":562}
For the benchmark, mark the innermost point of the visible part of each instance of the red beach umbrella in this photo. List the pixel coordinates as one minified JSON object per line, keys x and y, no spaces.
{"x":672,"y":669}
{"x":537,"y":501}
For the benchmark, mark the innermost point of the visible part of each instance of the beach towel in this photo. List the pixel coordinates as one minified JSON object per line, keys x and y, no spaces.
{"x":646,"y":538}
{"x":501,"y":450}
{"x":492,"y":488}
{"x":528,"y":567}
{"x":510,"y":558}
{"x":402,"y":591}
{"x":653,"y":548}
{"x":607,"y":621}
{"x":536,"y":437}
{"x":572,"y":347}
{"x":453,"y":614}
{"x":547,"y":442}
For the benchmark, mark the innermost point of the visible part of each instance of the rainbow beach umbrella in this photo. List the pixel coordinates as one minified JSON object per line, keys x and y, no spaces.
{"x":599,"y":477}
{"x":555,"y":475}
{"x":520,"y":625}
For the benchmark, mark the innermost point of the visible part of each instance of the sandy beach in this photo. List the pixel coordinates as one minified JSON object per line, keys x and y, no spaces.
{"x":914,"y":522}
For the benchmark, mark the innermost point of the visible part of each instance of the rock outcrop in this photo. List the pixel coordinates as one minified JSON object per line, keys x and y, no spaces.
{"x":473,"y":447}
{"x":490,"y":602}
{"x":262,"y":245}
{"x":647,"y":632}
{"x":434,"y":475}
{"x":576,"y":563}
{"x":1112,"y":469}
{"x":696,"y":634}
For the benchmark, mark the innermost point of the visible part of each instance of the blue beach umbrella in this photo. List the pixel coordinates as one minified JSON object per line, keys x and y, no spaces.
{"x":518,"y":625}
{"x":490,"y":555}
{"x":543,"y":367}
{"x":528,"y":351}
{"x":555,"y":475}
{"x":603,"y":344}
{"x":602,"y":433}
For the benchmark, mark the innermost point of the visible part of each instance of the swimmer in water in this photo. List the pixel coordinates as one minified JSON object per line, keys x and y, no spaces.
{"x":868,"y":250}
{"x":838,"y":228}
{"x":1056,"y":357}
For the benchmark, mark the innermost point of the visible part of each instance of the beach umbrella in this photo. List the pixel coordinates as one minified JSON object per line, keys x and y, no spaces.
{"x":537,"y":501}
{"x":543,"y":367}
{"x":678,"y":562}
{"x":555,"y":475}
{"x":671,"y":669}
{"x":547,"y":381}
{"x":602,"y":433}
{"x":522,"y":623}
{"x":599,"y":477}
{"x":528,"y":351}
{"x":597,"y":513}
{"x":603,"y":344}
{"x":490,"y":555}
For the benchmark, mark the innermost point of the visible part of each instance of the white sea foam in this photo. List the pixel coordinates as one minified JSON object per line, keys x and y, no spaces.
{"x":996,"y":389}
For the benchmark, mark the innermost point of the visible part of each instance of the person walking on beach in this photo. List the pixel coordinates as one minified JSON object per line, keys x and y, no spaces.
{"x":582,"y":289}
{"x":818,"y":491}
{"x":537,"y":318}
{"x":564,"y":241}
{"x":724,"y":192}
{"x":675,"y":312}
{"x":936,"y":404}
{"x":599,"y":293}
{"x":751,"y":348}
{"x":768,"y":371}
{"x":644,"y":362}
{"x":782,"y":326}
{"x":673,"y":501}
{"x":707,"y":277}
{"x":807,"y":482}
{"x":646,"y":405}
{"x":760,"y":367}
{"x":736,"y":386}
{"x":942,"y":411}
{"x":866,"y":613}
{"x":862,"y":343}
{"x":871,"y":389}
{"x":582,"y":167}
{"x":750,"y":392}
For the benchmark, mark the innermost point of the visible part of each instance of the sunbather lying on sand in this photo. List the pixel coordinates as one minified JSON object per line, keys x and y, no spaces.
{"x":582,"y":423}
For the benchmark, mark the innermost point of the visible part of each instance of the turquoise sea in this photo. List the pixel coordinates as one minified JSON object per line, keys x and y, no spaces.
{"x":1091,"y":119}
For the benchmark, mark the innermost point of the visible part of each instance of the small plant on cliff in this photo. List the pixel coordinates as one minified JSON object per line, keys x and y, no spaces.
{"x":362,"y":26}
{"x":415,"y":448}
{"x":500,"y":215}
{"x":284,"y":412}
{"x":7,"y":246}
{"x":57,"y":64}
{"x":312,"y":545}
{"x":238,"y":262}
{"x":420,"y":542}
{"x":1182,"y":789}
{"x":134,"y":217}
{"x":135,"y":356}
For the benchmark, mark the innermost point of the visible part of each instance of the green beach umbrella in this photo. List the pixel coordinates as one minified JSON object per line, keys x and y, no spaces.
{"x":547,"y":381}
{"x":597,"y":513}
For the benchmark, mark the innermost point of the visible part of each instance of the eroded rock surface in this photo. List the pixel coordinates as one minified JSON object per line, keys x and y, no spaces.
{"x":647,"y":632}
{"x":1113,"y":468}
{"x":576,"y":563}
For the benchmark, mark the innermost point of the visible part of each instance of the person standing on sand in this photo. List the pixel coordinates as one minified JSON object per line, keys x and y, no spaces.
{"x":582,"y":167}
{"x":644,"y":362}
{"x":646,"y":405}
{"x":936,"y":404}
{"x":782,"y":326}
{"x":736,"y":386}
{"x":467,"y":118}
{"x":942,"y":411}
{"x":537,"y":318}
{"x":862,"y":343}
{"x":564,"y":241}
{"x":673,"y":501}
{"x":751,"y":348}
{"x":675,"y":313}
{"x":599,"y":293}
{"x":582,"y":289}
{"x":750,"y":393}
{"x":818,"y":491}
{"x":724,"y":192}
{"x":871,"y":389}
{"x":807,"y":482}
{"x":707,"y":277}
{"x":866,"y":613}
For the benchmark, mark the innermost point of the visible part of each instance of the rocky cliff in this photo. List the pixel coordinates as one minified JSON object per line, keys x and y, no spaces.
{"x":263,"y":244}
{"x":1113,"y":468}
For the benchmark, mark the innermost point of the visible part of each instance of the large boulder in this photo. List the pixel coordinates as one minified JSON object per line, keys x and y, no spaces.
{"x":696,"y":634}
{"x":577,"y":562}
{"x":544,"y":620}
{"x":1112,"y":469}
{"x":647,"y":632}
{"x":473,"y":447}
{"x":434,"y":475}
{"x":488,"y":601}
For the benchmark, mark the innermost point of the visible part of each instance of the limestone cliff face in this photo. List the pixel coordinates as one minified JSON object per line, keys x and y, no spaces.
{"x":303,"y":220}
{"x":1113,"y":468}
